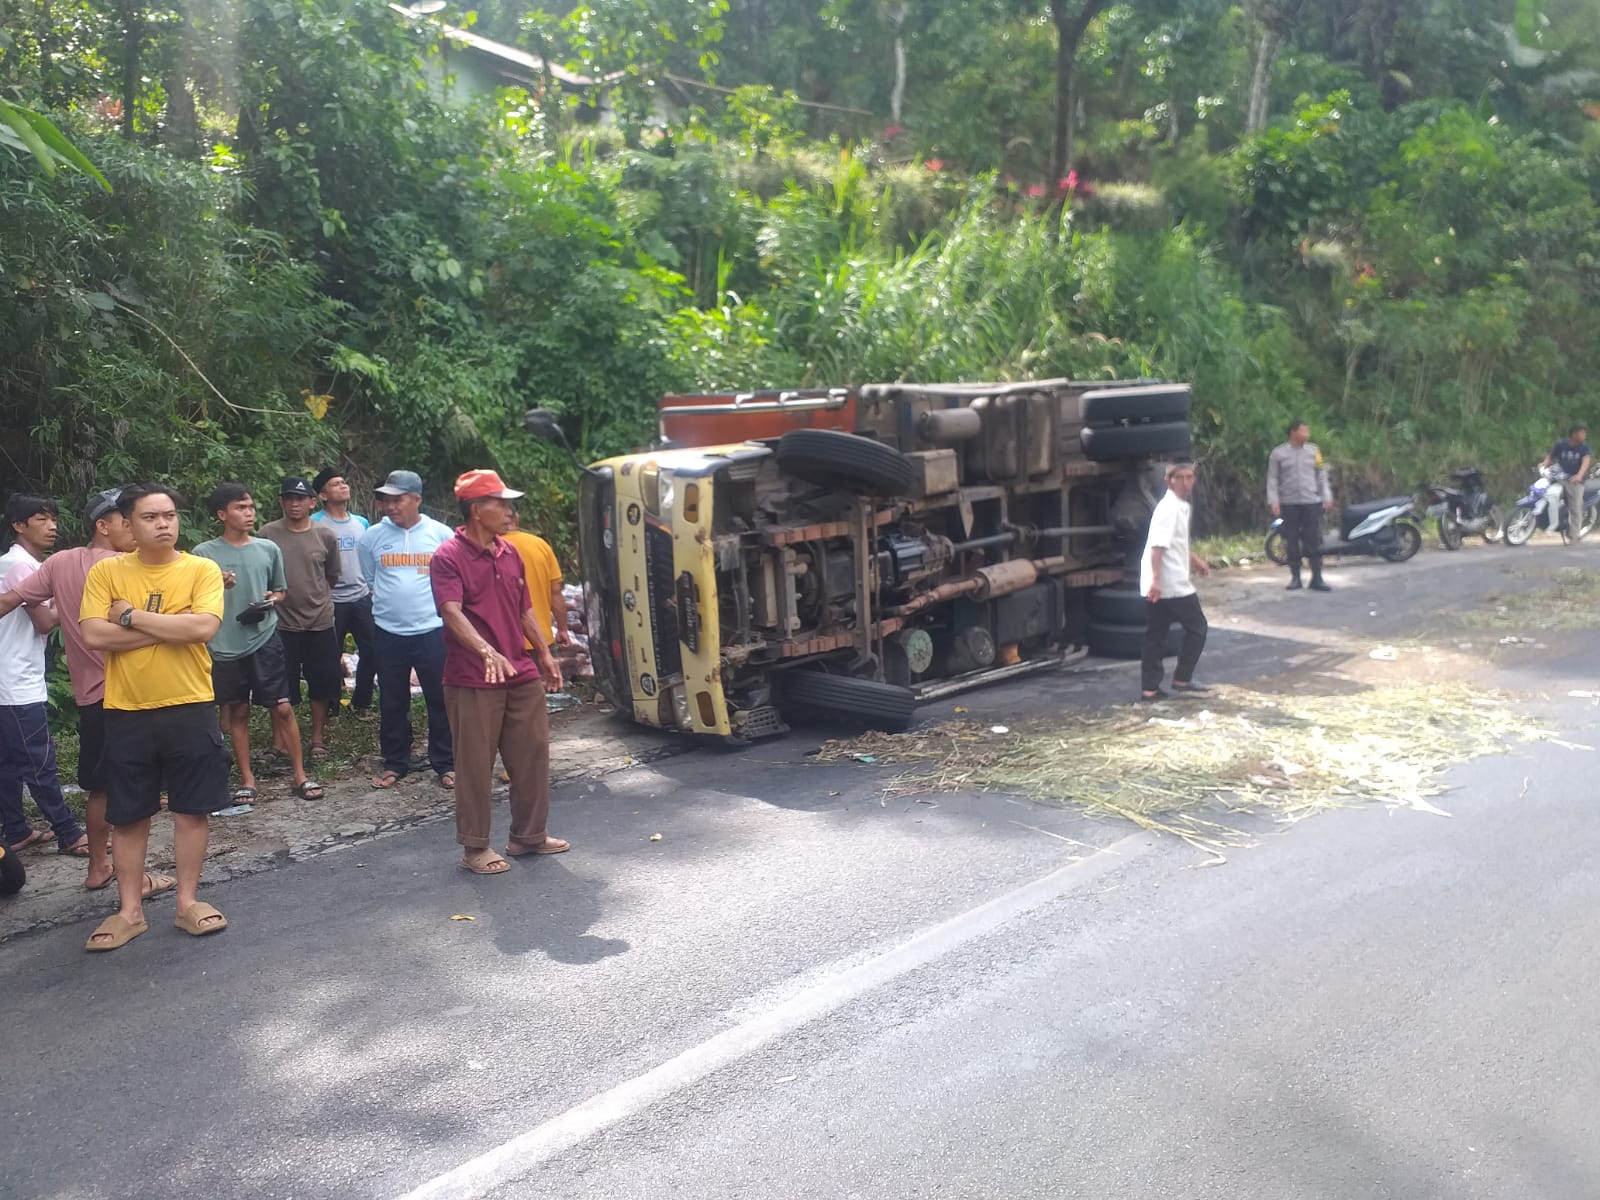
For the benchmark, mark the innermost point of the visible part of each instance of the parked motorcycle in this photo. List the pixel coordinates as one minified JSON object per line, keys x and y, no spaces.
{"x":1465,"y":508}
{"x":1542,"y":507}
{"x":1384,"y":528}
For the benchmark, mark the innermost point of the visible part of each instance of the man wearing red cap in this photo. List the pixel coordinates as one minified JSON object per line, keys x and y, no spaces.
{"x":494,"y":684}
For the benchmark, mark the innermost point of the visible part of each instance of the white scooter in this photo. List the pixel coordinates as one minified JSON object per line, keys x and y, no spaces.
{"x":1541,"y":508}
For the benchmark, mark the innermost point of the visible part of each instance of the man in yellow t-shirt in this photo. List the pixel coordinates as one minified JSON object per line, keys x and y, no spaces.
{"x":151,"y":614}
{"x":544,"y":582}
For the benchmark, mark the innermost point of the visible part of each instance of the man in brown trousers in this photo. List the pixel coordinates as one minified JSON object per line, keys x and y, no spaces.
{"x":494,"y":684}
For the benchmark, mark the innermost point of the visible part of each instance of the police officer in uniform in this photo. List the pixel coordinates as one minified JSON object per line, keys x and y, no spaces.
{"x":1297,"y":491}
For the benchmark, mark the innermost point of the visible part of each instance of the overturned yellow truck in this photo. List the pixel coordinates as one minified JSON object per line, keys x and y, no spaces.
{"x":853,"y":552}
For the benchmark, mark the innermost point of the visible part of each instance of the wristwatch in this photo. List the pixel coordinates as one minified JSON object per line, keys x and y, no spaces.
{"x":126,"y":619}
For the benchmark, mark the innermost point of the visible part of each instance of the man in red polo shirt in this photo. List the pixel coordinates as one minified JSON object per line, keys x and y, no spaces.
{"x":494,"y":684}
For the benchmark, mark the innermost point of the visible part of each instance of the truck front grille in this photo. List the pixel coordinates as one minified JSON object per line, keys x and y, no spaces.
{"x":663,"y":613}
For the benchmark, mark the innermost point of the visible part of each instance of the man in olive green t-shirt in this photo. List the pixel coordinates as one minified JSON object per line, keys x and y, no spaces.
{"x":247,"y":661}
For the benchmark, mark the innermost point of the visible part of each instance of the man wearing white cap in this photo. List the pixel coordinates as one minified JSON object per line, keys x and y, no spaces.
{"x":396,"y":557}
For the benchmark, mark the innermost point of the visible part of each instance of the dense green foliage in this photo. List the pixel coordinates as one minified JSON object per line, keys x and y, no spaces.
{"x":321,"y":246}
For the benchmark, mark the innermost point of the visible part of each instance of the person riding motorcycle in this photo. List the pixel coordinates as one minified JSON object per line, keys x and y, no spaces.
{"x":1574,"y":457}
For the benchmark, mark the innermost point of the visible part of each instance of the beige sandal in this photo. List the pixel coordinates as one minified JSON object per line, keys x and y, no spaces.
{"x":200,"y":911}
{"x":120,"y":930}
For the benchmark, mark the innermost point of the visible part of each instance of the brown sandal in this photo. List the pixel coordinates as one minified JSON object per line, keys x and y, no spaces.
{"x":493,"y":866}
{"x":550,"y":845}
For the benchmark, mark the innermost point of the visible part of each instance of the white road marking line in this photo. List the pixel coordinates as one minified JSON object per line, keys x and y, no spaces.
{"x":512,"y":1159}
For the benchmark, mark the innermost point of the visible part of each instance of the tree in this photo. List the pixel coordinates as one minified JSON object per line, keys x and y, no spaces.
{"x":1275,"y":20}
{"x":1071,"y":19}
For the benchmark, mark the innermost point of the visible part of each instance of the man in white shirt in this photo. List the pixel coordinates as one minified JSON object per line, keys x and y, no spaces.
{"x":27,"y":754}
{"x":1164,"y":572}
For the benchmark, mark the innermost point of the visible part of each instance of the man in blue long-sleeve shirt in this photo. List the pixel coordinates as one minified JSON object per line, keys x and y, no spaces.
{"x":395,"y":555}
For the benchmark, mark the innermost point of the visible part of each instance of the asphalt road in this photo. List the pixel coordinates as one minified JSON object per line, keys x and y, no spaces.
{"x":803,"y":991}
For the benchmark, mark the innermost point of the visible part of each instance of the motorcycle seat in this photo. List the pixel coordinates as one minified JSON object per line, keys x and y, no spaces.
{"x":1354,"y":514}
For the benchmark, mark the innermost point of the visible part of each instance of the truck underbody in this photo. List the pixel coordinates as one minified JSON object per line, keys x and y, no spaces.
{"x":853,"y":552}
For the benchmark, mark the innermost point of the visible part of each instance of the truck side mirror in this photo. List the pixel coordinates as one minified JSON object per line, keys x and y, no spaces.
{"x":542,"y":424}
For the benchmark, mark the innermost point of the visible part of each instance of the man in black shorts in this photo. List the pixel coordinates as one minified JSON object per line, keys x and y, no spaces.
{"x":60,"y":581}
{"x":247,"y":661}
{"x":305,"y":615}
{"x":151,"y":614}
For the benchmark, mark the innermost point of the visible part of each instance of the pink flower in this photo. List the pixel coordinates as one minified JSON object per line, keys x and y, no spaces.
{"x":893,"y":131}
{"x":934,"y":164}
{"x":1035,"y":190}
{"x":1069,"y":184}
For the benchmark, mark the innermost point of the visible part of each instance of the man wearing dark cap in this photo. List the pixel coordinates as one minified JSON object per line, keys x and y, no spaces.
{"x":396,"y":559}
{"x":305,"y":614}
{"x":59,"y":580}
{"x":352,"y":597}
{"x":493,"y":685}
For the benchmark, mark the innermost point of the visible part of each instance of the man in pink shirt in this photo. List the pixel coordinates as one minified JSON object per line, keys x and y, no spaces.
{"x":496,"y":669}
{"x":60,"y":578}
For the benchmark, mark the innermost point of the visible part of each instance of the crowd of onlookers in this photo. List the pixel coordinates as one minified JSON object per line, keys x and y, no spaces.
{"x":168,"y":651}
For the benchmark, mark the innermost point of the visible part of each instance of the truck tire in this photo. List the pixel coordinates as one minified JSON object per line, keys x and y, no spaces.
{"x":1162,"y":406}
{"x":844,"y":462}
{"x":1119,"y":604}
{"x":1135,"y":441}
{"x":1118,"y":640}
{"x":866,"y":701}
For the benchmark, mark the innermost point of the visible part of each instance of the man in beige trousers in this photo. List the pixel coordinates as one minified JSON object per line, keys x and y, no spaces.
{"x":496,"y":670}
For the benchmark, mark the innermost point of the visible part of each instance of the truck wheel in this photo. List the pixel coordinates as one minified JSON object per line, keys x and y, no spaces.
{"x":1119,"y":640}
{"x":879,"y":705}
{"x":1168,"y":404}
{"x":1135,"y":441}
{"x":1119,"y":604}
{"x":844,"y":462}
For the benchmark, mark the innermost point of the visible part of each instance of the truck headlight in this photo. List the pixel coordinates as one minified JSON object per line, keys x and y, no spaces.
{"x":664,"y":493}
{"x":680,"y":707}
